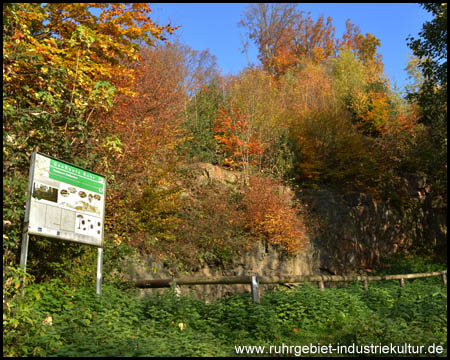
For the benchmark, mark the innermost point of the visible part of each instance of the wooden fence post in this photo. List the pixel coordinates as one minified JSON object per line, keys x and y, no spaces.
{"x":366,"y":283}
{"x":444,"y":278}
{"x":321,"y":283}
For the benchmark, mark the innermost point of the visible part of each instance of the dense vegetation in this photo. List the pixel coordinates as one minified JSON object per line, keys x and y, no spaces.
{"x":60,"y":319}
{"x":110,"y":92}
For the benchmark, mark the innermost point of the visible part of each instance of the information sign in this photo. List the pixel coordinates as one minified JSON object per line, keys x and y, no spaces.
{"x":66,"y":202}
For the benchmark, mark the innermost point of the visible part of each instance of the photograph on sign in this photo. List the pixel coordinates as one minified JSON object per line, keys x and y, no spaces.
{"x":45,"y":192}
{"x":66,"y":202}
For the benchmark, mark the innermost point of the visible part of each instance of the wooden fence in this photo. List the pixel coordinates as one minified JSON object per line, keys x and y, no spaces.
{"x":255,"y":280}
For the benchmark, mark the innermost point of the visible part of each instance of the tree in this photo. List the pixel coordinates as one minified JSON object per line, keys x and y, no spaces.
{"x":199,"y":115}
{"x":431,"y":49}
{"x":285,"y":37}
{"x":236,"y":135}
{"x":140,"y":136}
{"x":349,"y":79}
{"x":266,"y":24}
{"x":331,"y":152}
{"x":310,"y":89}
{"x":415,"y":75}
{"x":60,"y":67}
{"x":365,"y":49}
{"x":361,"y":91}
{"x":431,"y":96}
{"x":202,"y":101}
{"x":269,"y":215}
{"x":256,"y":93}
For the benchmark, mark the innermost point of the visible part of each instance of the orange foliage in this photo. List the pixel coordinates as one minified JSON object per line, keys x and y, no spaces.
{"x":147,"y":123}
{"x":137,"y":138}
{"x":239,"y":144}
{"x":270,"y":215}
{"x":404,"y":123}
{"x":377,"y":115}
{"x":285,"y":36}
{"x":119,"y":29}
{"x":313,"y":91}
{"x":304,"y":41}
{"x":365,"y":47}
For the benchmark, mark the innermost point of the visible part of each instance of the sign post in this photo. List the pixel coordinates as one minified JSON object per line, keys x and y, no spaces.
{"x":65,"y":202}
{"x":99,"y":271}
{"x":23,"y":257}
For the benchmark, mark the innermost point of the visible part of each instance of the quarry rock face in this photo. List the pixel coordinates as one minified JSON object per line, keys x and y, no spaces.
{"x":261,"y":260}
{"x":356,"y":231}
{"x":209,"y":172}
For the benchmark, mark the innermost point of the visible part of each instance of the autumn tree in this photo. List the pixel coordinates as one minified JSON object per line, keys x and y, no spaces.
{"x":200,"y":69}
{"x":309,"y":90}
{"x":256,"y":93}
{"x":285,"y":37}
{"x":364,"y":47}
{"x":266,"y":24}
{"x":58,"y":66}
{"x":365,"y":97}
{"x":269,"y":215}
{"x":204,"y":96}
{"x":140,"y":136}
{"x":235,"y":133}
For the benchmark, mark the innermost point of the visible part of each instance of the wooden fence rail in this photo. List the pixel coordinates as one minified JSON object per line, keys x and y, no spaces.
{"x":255,"y":280}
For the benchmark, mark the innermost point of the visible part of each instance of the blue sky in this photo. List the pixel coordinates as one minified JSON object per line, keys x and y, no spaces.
{"x":214,"y":26}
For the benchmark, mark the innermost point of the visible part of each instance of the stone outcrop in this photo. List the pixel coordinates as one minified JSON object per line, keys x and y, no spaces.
{"x":358,"y":231}
{"x":209,"y":172}
{"x":262,"y":260}
{"x":355,"y":232}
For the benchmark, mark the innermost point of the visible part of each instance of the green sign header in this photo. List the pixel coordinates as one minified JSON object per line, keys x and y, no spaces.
{"x":75,"y":176}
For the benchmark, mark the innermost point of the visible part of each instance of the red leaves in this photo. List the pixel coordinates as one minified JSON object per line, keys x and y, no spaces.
{"x":233,"y":132}
{"x":139,"y":135}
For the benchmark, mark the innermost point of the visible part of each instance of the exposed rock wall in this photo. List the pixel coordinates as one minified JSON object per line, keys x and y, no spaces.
{"x":355,"y":232}
{"x":262,"y":260}
{"x":358,"y":231}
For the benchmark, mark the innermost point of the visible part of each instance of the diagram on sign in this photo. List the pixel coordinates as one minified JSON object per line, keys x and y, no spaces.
{"x":88,"y":225}
{"x":80,"y":199}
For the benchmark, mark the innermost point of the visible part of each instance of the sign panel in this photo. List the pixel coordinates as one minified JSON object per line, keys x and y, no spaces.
{"x":67,"y":202}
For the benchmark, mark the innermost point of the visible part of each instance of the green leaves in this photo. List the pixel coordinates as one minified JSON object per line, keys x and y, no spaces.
{"x":60,"y":67}
{"x":82,"y":35}
{"x":56,"y":319}
{"x":104,"y":94}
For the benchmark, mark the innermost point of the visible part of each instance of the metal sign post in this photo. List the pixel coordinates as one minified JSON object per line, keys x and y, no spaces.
{"x":25,"y":235}
{"x":23,"y":258}
{"x":64,"y":202}
{"x":99,"y":271}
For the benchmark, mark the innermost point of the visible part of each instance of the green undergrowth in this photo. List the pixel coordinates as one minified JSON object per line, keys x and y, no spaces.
{"x":56,"y":319}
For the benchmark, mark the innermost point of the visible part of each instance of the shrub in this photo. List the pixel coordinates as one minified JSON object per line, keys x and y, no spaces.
{"x":268,"y":214}
{"x":212,"y":228}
